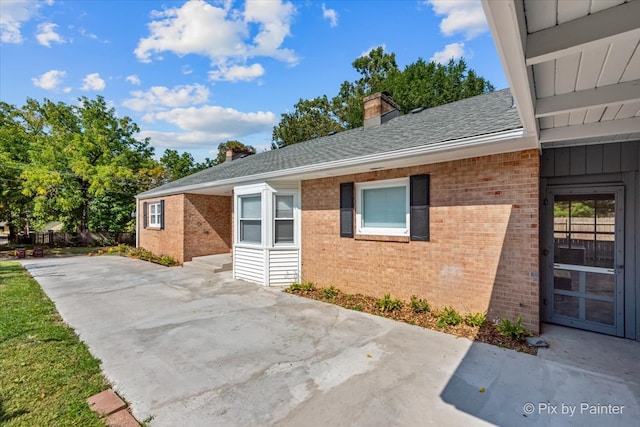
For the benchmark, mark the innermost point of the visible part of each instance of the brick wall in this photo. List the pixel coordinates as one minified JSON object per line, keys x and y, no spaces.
{"x":483,"y":252}
{"x":169,"y":241}
{"x":194,"y":225}
{"x":207,"y":225}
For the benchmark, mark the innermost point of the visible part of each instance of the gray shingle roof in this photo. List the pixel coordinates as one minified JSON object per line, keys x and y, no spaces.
{"x":479,"y":115}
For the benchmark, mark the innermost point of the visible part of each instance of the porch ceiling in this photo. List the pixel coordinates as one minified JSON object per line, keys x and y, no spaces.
{"x":573,"y":66}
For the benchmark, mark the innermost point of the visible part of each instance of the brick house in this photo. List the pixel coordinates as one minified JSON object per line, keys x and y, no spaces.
{"x":521,"y":202}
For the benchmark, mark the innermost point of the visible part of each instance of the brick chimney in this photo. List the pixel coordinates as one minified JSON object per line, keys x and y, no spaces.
{"x":379,"y":108}
{"x":233,"y":154}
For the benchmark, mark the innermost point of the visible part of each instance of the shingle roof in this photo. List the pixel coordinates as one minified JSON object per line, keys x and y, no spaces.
{"x":480,"y":115}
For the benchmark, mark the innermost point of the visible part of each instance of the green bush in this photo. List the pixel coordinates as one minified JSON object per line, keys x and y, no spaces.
{"x":514,"y":330}
{"x":387,"y":304}
{"x":448,"y":316}
{"x":419,"y":305}
{"x":476,"y":319}
{"x":307,"y":286}
{"x":329,"y":293}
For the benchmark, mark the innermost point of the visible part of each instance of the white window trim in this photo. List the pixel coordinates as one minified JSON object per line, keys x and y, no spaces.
{"x":157,"y":215}
{"x":293,"y":218}
{"x":381,"y":231}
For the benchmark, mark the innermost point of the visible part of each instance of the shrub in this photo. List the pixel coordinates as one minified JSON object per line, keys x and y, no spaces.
{"x":448,"y":316}
{"x":476,"y":319}
{"x":387,"y":304}
{"x":514,"y":330}
{"x":419,"y":305}
{"x":329,"y":293}
{"x":306,"y":287}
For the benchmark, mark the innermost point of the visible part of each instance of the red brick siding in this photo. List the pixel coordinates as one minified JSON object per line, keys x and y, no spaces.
{"x":483,"y":252}
{"x":207,"y":225}
{"x":169,"y":241}
{"x":194,"y":225}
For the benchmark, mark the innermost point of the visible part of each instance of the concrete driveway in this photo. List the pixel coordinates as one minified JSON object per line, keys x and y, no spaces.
{"x":195,"y":349}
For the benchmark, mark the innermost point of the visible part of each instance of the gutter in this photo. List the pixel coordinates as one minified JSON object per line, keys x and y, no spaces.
{"x":440,"y":147}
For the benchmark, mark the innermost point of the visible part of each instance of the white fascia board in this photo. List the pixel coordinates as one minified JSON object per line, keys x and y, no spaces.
{"x":508,"y":28}
{"x":591,"y":130}
{"x":516,"y":135}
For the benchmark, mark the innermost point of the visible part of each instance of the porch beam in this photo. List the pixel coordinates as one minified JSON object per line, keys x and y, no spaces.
{"x":589,"y":98}
{"x":591,"y":130}
{"x":600,"y":28}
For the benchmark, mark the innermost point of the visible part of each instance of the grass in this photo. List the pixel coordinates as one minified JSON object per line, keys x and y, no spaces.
{"x":47,"y":373}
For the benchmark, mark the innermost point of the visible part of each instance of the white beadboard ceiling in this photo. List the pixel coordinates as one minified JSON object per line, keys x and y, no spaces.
{"x":573,"y":66}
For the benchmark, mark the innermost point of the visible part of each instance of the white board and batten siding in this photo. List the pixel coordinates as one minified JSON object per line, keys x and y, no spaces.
{"x":248,"y":264}
{"x":283,"y":266}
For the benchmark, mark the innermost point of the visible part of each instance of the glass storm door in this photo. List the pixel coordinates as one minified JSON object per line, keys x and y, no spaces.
{"x":586,"y":289}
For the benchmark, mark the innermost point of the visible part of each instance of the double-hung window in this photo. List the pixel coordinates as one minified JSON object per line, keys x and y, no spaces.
{"x":382,"y":207}
{"x":283,"y":219}
{"x":155,"y":215}
{"x":250,"y":220}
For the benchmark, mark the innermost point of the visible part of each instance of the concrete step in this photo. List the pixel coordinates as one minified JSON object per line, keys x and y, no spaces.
{"x":214,"y":263}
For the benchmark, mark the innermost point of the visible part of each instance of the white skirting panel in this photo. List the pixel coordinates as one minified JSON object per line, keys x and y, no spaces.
{"x":283,"y":266}
{"x":248,"y":264}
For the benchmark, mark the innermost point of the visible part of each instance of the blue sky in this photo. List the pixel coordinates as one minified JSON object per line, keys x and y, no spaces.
{"x":195,"y":73}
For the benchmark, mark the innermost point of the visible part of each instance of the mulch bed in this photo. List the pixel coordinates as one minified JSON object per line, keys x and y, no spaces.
{"x":367,"y":304}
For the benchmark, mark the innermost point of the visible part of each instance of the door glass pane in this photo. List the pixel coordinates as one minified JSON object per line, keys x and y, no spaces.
{"x":600,"y":284}
{"x":600,"y":311}
{"x":566,"y":280}
{"x":584,"y":230}
{"x":284,"y":206}
{"x":384,"y":207}
{"x":565,"y":305}
{"x":250,"y":207}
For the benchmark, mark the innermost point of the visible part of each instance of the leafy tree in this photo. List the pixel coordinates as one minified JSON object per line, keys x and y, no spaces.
{"x":177,"y":166}
{"x":14,"y":137}
{"x":310,"y":119}
{"x":420,"y":84}
{"x":84,"y":159}
{"x":222,"y":151}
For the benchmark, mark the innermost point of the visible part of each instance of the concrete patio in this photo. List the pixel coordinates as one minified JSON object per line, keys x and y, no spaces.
{"x":188,"y":347}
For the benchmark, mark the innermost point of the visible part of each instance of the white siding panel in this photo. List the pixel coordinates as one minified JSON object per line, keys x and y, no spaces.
{"x":616,"y":62}
{"x":283,"y":266}
{"x":248,"y":264}
{"x":633,"y":67}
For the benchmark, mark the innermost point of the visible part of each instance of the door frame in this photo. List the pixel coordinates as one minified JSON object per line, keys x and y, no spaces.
{"x":547,"y":262}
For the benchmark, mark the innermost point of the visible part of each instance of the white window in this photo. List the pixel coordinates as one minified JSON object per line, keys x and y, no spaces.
{"x":283,"y":219}
{"x":382,"y":207}
{"x":250,"y":219}
{"x":155,"y":214}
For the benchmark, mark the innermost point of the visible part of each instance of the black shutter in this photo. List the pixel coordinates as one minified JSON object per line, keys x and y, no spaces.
{"x":346,"y":209}
{"x":419,"y":207}
{"x":161,"y":214}
{"x":144,"y":215}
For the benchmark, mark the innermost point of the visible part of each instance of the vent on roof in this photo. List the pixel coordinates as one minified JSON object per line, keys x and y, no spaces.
{"x":417,"y":110}
{"x":513,"y":103}
{"x":333,"y":132}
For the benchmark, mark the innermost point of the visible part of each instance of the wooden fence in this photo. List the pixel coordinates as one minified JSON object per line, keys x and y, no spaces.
{"x":61,"y":238}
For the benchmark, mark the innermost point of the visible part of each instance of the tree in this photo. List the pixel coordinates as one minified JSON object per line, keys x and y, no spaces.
{"x":310,"y":119}
{"x":14,"y":154}
{"x":222,"y":151}
{"x":83,"y":159}
{"x":177,"y":166}
{"x":420,"y":84}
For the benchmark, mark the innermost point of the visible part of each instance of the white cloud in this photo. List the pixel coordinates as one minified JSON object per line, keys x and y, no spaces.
{"x":228,"y":37}
{"x":93,"y":82}
{"x":67,"y":90}
{"x":85,"y":33}
{"x":133,"y":79}
{"x":207,"y":126}
{"x":331,"y":15}
{"x":12,"y":15}
{"x":46,"y":34}
{"x":237,"y":73}
{"x":460,"y":16}
{"x":452,"y":50}
{"x":161,"y":97}
{"x":368,"y":51}
{"x":49,"y":80}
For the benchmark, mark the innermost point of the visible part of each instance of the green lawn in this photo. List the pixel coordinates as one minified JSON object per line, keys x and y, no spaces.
{"x":46,"y":373}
